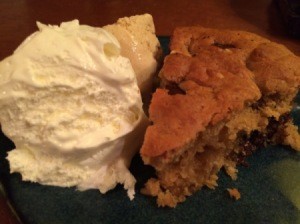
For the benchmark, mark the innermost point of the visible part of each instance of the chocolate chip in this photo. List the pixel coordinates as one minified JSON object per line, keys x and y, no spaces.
{"x":256,"y":139}
{"x":173,"y":89}
{"x":284,"y":118}
{"x":258,"y":104}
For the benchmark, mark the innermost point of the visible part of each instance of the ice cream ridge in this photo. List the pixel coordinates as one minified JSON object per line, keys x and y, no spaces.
{"x":71,"y":103}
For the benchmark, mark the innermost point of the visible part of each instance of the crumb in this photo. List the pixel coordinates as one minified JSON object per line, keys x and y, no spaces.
{"x":234,"y":193}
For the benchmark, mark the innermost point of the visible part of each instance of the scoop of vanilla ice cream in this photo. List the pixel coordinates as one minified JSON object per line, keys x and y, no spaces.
{"x":139,"y":43}
{"x":71,"y":104}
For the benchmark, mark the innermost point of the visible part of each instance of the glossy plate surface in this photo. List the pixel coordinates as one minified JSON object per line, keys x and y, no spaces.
{"x":269,"y":187}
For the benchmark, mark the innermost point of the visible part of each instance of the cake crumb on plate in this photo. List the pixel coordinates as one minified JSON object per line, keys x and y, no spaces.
{"x":234,"y":193}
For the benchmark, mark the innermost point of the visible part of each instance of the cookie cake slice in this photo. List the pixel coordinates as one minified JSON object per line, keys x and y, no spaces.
{"x":223,"y":94}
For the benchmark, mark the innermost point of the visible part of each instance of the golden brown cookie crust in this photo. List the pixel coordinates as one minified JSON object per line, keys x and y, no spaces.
{"x":223,"y":95}
{"x":213,"y":78}
{"x":215,"y":72}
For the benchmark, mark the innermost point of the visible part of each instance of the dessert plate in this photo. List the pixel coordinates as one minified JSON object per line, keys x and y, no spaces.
{"x":269,"y":187}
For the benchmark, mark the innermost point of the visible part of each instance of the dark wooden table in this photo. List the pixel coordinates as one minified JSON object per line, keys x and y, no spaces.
{"x":18,"y":17}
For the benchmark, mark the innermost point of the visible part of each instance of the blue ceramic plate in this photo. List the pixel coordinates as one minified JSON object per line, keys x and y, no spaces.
{"x":270,"y":190}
